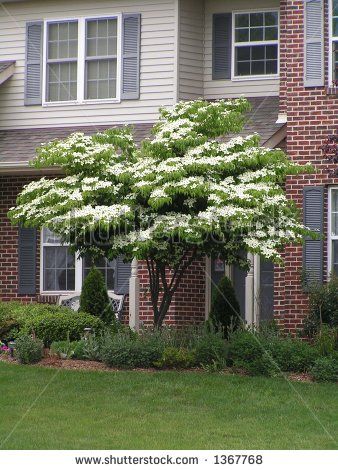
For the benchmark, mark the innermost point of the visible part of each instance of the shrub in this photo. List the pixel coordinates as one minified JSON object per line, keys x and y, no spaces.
{"x":28,"y":350}
{"x":94,"y":297}
{"x":127,"y":350}
{"x":79,"y":349}
{"x":323,"y":307}
{"x":225,"y":310}
{"x":325,"y":369}
{"x":292,"y":354}
{"x":177,"y":358}
{"x":247,"y":350}
{"x":14,"y":315}
{"x":326,"y":340}
{"x":209,"y":346}
{"x":50,"y":327}
{"x":62,"y":349}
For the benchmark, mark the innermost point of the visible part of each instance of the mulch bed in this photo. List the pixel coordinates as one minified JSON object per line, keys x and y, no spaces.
{"x":76,"y":364}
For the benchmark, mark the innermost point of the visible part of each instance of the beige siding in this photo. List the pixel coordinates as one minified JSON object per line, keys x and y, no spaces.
{"x":227,"y":88}
{"x":157,"y":80}
{"x":191,"y":53}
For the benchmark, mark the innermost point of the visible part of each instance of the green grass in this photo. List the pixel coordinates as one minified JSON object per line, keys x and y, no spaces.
{"x":164,"y":410}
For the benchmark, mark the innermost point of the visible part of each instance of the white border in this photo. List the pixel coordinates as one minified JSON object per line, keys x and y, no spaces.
{"x":331,"y":39}
{"x":81,"y":61}
{"x":330,"y":237}
{"x":251,"y":43}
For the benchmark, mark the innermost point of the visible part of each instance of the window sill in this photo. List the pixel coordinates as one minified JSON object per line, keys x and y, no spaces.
{"x":255,"y":77}
{"x":332,"y":90}
{"x":55,"y":104}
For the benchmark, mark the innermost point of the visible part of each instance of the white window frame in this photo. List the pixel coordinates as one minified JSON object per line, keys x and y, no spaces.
{"x":332,"y":39}
{"x":81,"y":62}
{"x":78,"y":272}
{"x":254,"y":43}
{"x":330,"y":236}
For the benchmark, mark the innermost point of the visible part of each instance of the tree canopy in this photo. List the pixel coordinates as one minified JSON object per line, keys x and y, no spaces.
{"x":181,"y":195}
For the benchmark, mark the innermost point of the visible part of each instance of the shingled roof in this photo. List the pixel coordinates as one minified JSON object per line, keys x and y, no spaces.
{"x":6,"y":69}
{"x":18,"y":146}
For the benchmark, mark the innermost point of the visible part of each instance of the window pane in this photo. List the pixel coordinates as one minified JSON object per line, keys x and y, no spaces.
{"x":53,"y":32}
{"x":271,"y":18}
{"x":256,"y":19}
{"x":257,"y":68}
{"x":242,"y":35}
{"x":271,"y":67}
{"x":271,"y":33}
{"x":62,"y":40}
{"x":335,"y":257}
{"x":101,"y":38}
{"x":272,"y":52}
{"x":258,"y":53}
{"x":243,"y":68}
{"x":101,"y":79}
{"x":50,"y":237}
{"x":335,"y":27}
{"x":59,"y":268}
{"x":256,"y":34}
{"x":242,"y":20}
{"x":62,"y":81}
{"x":243,"y":53}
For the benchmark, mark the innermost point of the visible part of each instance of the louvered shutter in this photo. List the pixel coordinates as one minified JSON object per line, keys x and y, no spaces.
{"x":33,"y":70}
{"x":313,"y":208}
{"x":27,"y":261}
{"x":122,"y":276}
{"x":131,"y":38}
{"x":221,"y":46}
{"x":314,"y":43}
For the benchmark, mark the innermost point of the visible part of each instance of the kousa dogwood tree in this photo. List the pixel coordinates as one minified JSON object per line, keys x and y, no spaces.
{"x":182,"y":195}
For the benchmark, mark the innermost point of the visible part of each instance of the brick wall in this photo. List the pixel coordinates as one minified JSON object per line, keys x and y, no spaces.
{"x":312,"y":115}
{"x":188,"y":304}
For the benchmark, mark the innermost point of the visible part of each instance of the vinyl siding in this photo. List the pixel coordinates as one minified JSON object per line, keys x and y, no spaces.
{"x":191,"y":51}
{"x":157,"y":80}
{"x":214,"y":89}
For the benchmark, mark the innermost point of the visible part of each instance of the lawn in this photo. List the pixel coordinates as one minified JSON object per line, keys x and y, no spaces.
{"x":52,"y":409}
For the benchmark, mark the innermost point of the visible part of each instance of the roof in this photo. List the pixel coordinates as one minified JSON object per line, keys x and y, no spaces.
{"x":18,"y":146}
{"x":6,"y":69}
{"x":262,"y":118}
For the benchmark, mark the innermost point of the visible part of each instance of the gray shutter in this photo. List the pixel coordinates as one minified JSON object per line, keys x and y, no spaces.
{"x":313,"y":208}
{"x":314,"y":43}
{"x":33,"y":70}
{"x":266,"y":292}
{"x":27,"y":261}
{"x":122,"y":275}
{"x":221,"y":46}
{"x":131,"y":39}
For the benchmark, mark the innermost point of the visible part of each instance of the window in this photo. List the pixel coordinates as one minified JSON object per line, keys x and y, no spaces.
{"x":62,"y":53}
{"x":255,"y":43}
{"x":58,"y":264}
{"x":82,"y":60}
{"x":101,"y":58}
{"x":333,"y":231}
{"x":107,"y":268}
{"x":63,"y":271}
{"x":334,"y":26}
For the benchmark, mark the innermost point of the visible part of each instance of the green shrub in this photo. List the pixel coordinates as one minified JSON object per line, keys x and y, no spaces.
{"x":94,"y":297}
{"x":225,"y":310}
{"x":292,"y":354}
{"x":50,"y":327}
{"x":28,"y":350}
{"x":247,"y":350}
{"x":326,"y":340}
{"x":323,"y":307}
{"x":63,"y":349}
{"x":176,"y":358}
{"x":325,"y":369}
{"x":14,"y":316}
{"x":127,"y":350}
{"x":209,"y":346}
{"x":79,"y":349}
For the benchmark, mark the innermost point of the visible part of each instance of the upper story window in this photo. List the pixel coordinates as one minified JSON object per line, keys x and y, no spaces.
{"x":333,"y":231}
{"x":82,"y":60}
{"x":255,"y":44}
{"x":335,"y":42}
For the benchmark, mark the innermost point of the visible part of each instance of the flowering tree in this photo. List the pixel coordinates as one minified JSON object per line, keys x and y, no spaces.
{"x":181,"y":196}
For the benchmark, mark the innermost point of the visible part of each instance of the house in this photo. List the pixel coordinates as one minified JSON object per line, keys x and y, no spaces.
{"x":79,"y":65}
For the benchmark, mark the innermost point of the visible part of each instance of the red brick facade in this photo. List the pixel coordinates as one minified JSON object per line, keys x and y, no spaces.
{"x":188,"y":305}
{"x":312,"y":114}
